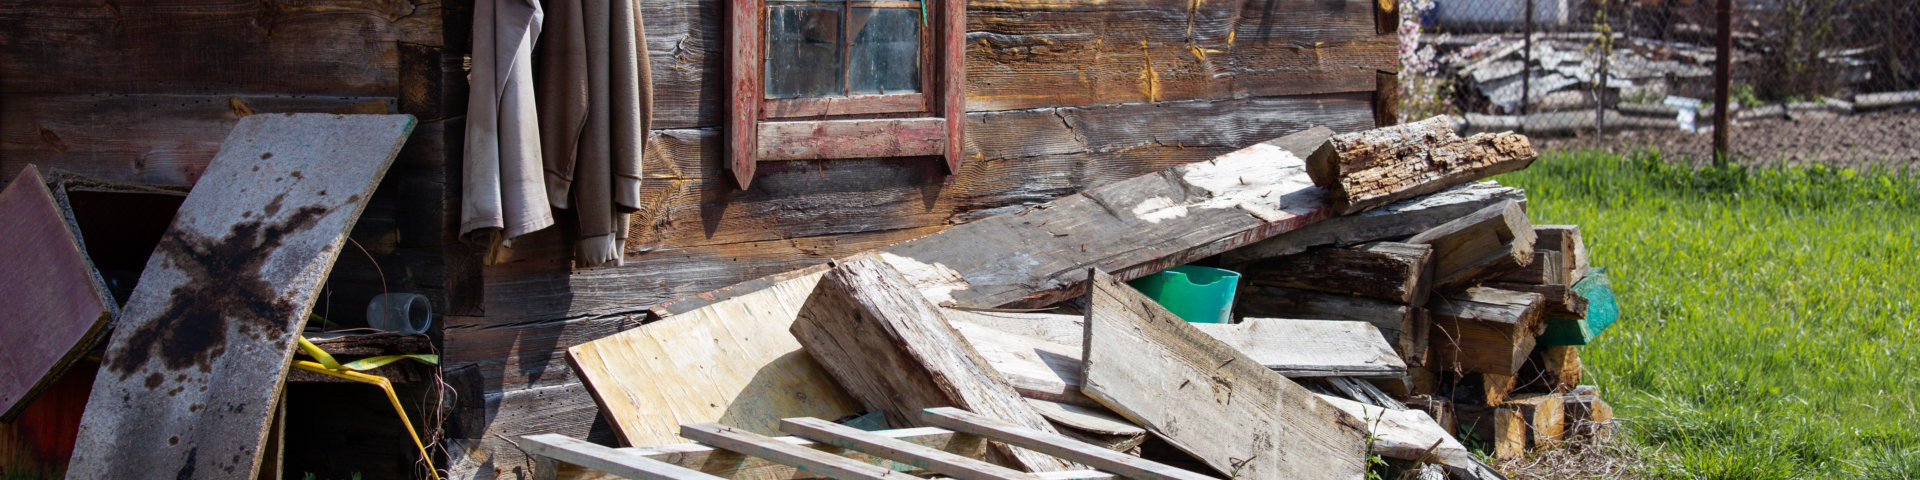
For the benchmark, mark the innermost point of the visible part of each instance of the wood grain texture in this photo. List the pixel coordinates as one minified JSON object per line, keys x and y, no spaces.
{"x":1385,"y":270}
{"x":749,"y":443}
{"x":1035,"y":367}
{"x":1484,"y":330}
{"x":1413,"y":435}
{"x":1055,"y":444}
{"x":1311,"y":348}
{"x":1565,"y":239}
{"x":1400,"y":324}
{"x":894,"y":351}
{"x":953,"y":80}
{"x":930,"y":459}
{"x":1562,"y":300}
{"x":60,"y":304}
{"x":836,"y":139}
{"x":1545,"y":415}
{"x":743,"y":69}
{"x":731,"y":363}
{"x":732,"y":465}
{"x":1364,"y":170}
{"x":1208,"y":399}
{"x":598,"y":457}
{"x":1133,"y":227}
{"x":1509,"y":434}
{"x":211,"y":323}
{"x":1398,"y":219}
{"x":1480,"y":246}
{"x":236,"y":47}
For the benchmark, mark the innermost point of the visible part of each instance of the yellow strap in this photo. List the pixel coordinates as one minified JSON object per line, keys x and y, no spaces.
{"x":338,"y":370}
{"x":370,"y":363}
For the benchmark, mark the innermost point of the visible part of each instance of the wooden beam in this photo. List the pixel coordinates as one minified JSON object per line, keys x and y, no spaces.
{"x":1035,"y":366}
{"x":1562,"y":300}
{"x":1484,"y":330}
{"x":827,"y":139}
{"x":1055,"y":444}
{"x":1398,"y":219}
{"x":892,"y":349}
{"x":1480,"y":246}
{"x":1509,"y":434}
{"x":749,"y":443}
{"x":592,"y":455}
{"x":1545,"y":414}
{"x":730,"y":362}
{"x":1364,"y":170}
{"x":1547,"y":268}
{"x":199,"y":355}
{"x":1403,"y":326}
{"x":1160,"y":372}
{"x":1385,"y":270}
{"x":934,"y":460}
{"x":1565,"y":240}
{"x":61,"y":304}
{"x":1132,"y":227}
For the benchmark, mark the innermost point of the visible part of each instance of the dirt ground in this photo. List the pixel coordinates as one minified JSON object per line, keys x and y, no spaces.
{"x":1881,"y":139}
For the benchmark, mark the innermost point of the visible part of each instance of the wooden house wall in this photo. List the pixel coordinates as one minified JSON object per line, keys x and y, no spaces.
{"x":1062,"y":95}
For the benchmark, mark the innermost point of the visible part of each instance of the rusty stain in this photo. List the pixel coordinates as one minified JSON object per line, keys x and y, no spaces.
{"x":1151,"y":77}
{"x":239,"y":108}
{"x":223,"y":284}
{"x":263,"y":156}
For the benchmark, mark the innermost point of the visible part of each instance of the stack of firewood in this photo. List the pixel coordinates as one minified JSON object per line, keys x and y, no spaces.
{"x":1485,"y":308}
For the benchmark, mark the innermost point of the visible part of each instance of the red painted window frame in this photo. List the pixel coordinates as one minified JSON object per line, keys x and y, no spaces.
{"x":843,"y":127}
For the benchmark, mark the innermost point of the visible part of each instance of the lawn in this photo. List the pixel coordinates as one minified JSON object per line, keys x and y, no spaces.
{"x":1768,"y":315}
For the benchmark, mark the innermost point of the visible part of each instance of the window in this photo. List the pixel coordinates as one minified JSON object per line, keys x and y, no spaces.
{"x":820,"y":79}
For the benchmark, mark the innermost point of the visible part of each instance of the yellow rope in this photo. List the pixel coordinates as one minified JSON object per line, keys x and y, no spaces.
{"x":328,"y":366}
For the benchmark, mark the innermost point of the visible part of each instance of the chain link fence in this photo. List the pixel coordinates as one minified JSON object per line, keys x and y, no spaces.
{"x":1828,"y":81}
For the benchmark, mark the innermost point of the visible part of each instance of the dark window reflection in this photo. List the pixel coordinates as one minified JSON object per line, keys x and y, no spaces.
{"x":886,"y":51}
{"x":804,"y":51}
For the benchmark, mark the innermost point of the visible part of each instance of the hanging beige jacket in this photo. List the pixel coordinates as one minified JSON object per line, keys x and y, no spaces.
{"x":504,"y":196}
{"x":595,"y":94}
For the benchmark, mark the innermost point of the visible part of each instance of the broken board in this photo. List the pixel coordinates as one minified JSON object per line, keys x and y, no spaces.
{"x":730,"y":362}
{"x":197,"y":359}
{"x":1208,"y":399}
{"x":57,"y":302}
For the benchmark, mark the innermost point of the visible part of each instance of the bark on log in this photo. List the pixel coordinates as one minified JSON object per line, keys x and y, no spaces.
{"x":1368,"y":169}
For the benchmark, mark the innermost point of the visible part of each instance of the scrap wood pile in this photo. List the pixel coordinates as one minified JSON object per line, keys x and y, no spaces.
{"x":1391,"y":306}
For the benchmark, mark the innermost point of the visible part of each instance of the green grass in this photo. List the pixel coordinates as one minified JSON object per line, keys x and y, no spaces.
{"x":1768,"y":315}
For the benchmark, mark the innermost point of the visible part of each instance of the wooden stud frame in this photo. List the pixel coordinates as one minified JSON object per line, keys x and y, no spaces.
{"x":859,"y":126}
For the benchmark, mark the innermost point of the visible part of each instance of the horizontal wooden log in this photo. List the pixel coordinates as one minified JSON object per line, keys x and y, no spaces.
{"x":1483,"y":245}
{"x":837,"y":139}
{"x":1484,"y":330}
{"x":1399,"y":219}
{"x":336,"y":48}
{"x":1547,"y":268}
{"x":1384,"y":270}
{"x":1399,"y":323}
{"x":1364,"y":170}
{"x":1562,"y":300}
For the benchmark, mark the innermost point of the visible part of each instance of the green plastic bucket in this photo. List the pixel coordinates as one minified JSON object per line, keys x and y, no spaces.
{"x":1197,"y":294}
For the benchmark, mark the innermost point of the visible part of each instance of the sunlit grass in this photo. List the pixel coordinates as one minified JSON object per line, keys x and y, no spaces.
{"x":1768,"y":315}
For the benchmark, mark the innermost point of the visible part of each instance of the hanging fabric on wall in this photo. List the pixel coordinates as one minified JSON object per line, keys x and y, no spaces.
{"x":503,"y":195}
{"x":596,"y":96}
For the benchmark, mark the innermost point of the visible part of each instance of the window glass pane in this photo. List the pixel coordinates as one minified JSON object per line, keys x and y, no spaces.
{"x":885,"y":57}
{"x":804,"y":51}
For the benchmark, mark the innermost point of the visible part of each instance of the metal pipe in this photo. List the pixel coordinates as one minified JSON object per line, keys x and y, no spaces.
{"x":1722,"y":80}
{"x":1526,"y":71}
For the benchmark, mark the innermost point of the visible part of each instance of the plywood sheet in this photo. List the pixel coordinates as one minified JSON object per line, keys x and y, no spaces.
{"x":57,"y":303}
{"x":189,"y":380}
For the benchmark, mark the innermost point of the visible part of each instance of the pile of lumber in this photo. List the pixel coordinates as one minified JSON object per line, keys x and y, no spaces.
{"x":1381,"y":278}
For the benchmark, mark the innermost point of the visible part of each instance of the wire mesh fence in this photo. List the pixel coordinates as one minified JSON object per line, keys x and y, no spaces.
{"x":1830,"y":81}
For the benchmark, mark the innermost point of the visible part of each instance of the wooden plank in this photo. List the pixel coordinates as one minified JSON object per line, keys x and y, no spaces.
{"x":1400,"y":324}
{"x":1055,"y":444}
{"x":1386,"y":91}
{"x":1208,"y":399}
{"x":936,"y":461}
{"x":1413,"y":435}
{"x":742,"y":62}
{"x":343,"y":48}
{"x":838,"y":467}
{"x":731,"y":362}
{"x":1399,"y":219}
{"x":210,"y":326}
{"x":1035,"y":367}
{"x":1310,"y":348}
{"x":829,"y":139}
{"x":1088,"y":419}
{"x":1484,"y":330}
{"x":1547,"y":268}
{"x":953,"y":80}
{"x":727,"y":464}
{"x":591,"y":455}
{"x":1480,"y":246}
{"x":1385,"y":270}
{"x":1545,"y":415}
{"x":817,"y":107}
{"x":1134,"y":227}
{"x":891,"y":349}
{"x":1562,"y":300}
{"x":60,"y":302}
{"x":1364,"y":170}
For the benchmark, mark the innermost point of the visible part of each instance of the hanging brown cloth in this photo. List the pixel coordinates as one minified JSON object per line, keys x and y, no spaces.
{"x":595,"y":92}
{"x":504,"y":197}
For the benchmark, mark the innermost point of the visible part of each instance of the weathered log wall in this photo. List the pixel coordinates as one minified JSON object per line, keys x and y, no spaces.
{"x":1062,"y":96}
